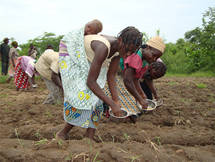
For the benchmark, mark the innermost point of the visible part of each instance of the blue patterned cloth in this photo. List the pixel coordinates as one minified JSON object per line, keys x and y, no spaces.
{"x":83,"y":118}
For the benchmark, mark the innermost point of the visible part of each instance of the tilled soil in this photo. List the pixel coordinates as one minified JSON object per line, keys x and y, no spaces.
{"x":182,"y":129}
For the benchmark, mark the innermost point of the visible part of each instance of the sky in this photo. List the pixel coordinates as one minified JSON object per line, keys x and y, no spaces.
{"x":27,"y":19}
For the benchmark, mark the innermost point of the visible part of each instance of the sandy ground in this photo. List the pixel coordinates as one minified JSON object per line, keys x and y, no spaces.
{"x":182,"y":129}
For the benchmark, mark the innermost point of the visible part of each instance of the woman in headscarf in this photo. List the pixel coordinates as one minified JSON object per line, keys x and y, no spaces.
{"x":13,"y":55}
{"x":136,"y":68}
{"x":32,"y":51}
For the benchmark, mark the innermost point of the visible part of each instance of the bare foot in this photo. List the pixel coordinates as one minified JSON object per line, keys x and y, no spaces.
{"x":61,"y":136}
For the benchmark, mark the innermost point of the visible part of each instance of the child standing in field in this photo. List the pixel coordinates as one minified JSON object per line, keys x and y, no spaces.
{"x":46,"y":64}
{"x":84,"y":66}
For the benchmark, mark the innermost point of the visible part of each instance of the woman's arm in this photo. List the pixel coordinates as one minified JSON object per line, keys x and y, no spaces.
{"x":29,"y":52}
{"x":152,"y":88}
{"x":30,"y":81}
{"x":12,"y":59}
{"x":101,"y":52}
{"x":139,"y":89}
{"x":56,"y":79}
{"x":129,"y":84}
{"x":111,"y":77}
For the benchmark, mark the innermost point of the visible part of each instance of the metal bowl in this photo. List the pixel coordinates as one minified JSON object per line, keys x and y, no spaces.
{"x":151,"y":105}
{"x":125,"y":114}
{"x":158,"y":102}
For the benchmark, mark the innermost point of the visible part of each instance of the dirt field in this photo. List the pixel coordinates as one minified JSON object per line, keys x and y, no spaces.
{"x":183,"y":129}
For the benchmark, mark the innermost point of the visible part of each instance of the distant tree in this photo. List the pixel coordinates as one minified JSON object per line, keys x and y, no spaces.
{"x":180,"y":43}
{"x":41,"y":43}
{"x":158,"y":32}
{"x":201,"y":49}
{"x":145,"y":38}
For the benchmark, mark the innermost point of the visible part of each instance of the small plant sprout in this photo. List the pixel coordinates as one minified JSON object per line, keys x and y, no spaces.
{"x":17,"y":136}
{"x":48,"y":114}
{"x":94,"y":159}
{"x":113,"y":139}
{"x":69,"y":157}
{"x":126,"y":136}
{"x":172,"y":83}
{"x":157,"y":139}
{"x":100,"y":137}
{"x":135,"y":158}
{"x":41,"y":142}
{"x":37,"y":134}
{"x":201,"y":85}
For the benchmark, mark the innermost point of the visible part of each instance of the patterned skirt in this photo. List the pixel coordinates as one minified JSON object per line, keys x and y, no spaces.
{"x":20,"y":77}
{"x":83,"y":118}
{"x":127,"y":101}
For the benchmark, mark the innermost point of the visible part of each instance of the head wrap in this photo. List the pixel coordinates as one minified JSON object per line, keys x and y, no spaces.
{"x":14,"y":43}
{"x":157,"y":43}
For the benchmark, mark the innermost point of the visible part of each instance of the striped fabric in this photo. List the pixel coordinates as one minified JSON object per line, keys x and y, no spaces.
{"x":127,"y":101}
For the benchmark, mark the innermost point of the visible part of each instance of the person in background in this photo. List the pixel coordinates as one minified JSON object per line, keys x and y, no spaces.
{"x":32,"y":51}
{"x":46,"y":64}
{"x":13,"y":55}
{"x":24,"y":73}
{"x":4,"y":51}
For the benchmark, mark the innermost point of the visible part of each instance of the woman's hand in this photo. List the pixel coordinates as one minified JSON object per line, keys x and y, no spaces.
{"x":157,"y":98}
{"x":116,"y":109}
{"x":144,"y":104}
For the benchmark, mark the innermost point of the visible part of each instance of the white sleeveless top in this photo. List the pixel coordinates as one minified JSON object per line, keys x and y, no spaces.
{"x":89,"y":51}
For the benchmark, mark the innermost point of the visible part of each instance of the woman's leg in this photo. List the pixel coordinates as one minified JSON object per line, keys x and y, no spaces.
{"x":9,"y":79}
{"x":57,"y":94}
{"x":50,"y":98}
{"x":90,"y":132}
{"x":33,"y":79}
{"x":63,"y":134}
{"x":3,"y":68}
